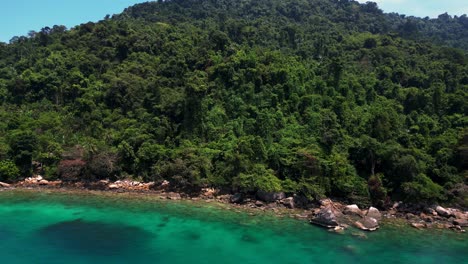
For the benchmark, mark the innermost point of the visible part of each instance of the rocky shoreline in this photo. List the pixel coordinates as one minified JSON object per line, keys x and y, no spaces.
{"x":329,"y":214}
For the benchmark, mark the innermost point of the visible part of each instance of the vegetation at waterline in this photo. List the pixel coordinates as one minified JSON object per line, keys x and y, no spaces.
{"x":310,"y":97}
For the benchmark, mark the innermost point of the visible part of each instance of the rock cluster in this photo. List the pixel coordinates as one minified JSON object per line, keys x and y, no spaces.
{"x":129,"y":185}
{"x":333,"y":215}
{"x":439,"y":217}
{"x":38,"y":180}
{"x":265,"y":200}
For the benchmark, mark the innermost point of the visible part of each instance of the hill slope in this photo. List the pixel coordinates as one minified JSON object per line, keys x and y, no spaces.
{"x":308,"y":97}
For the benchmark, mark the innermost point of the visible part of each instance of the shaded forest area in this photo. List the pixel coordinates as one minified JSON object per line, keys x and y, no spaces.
{"x":310,"y":97}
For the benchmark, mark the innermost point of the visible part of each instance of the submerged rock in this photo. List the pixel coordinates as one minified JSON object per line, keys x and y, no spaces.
{"x":359,"y":234}
{"x":367,"y":224}
{"x":96,"y":238}
{"x":338,"y":230}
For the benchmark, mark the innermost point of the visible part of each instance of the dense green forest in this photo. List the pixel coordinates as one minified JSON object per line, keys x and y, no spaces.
{"x":310,"y":97}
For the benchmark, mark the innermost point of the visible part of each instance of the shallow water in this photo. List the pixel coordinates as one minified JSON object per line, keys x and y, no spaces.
{"x":53,"y":227}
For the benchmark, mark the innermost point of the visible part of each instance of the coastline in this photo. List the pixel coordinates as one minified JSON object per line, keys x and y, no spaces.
{"x":252,"y":206}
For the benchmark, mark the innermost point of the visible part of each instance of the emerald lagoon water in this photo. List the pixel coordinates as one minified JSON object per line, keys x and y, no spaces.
{"x":61,"y":227}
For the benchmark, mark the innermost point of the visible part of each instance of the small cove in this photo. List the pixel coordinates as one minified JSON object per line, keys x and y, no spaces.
{"x":62,"y":227}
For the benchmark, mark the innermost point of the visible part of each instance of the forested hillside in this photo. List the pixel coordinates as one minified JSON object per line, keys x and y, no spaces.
{"x":311,"y":97}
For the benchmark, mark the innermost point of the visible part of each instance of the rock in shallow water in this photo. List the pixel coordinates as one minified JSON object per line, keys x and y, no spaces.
{"x":418,"y":225}
{"x":374,"y":213}
{"x":270,"y":197}
{"x":325,"y":217}
{"x":367,"y":224}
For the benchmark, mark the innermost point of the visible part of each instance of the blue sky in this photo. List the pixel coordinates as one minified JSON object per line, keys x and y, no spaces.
{"x":18,"y":17}
{"x":423,"y":8}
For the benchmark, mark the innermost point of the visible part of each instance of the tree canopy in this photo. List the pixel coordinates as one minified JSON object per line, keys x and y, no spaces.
{"x":310,"y":97}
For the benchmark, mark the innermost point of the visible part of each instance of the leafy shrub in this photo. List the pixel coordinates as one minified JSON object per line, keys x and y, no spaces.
{"x":310,"y":190}
{"x":181,"y":176}
{"x":258,"y":178}
{"x":422,"y":189}
{"x":8,"y":171}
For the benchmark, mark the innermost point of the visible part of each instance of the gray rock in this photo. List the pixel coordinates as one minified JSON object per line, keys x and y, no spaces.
{"x":325,"y":217}
{"x":419,"y":225}
{"x":367,"y":224}
{"x":374,"y":213}
{"x":5,"y":185}
{"x":173,"y":196}
{"x":461,"y":222}
{"x":410,"y":216}
{"x":288,"y":202}
{"x":442,"y":211}
{"x":113,"y":186}
{"x":352,"y":210}
{"x":270,"y":197}
{"x":237,"y":198}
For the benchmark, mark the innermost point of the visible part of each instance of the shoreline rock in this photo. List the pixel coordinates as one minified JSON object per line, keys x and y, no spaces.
{"x":5,"y":185}
{"x":325,"y":217}
{"x":353,"y":210}
{"x":330,"y":214}
{"x":374,"y":213}
{"x":367,"y":224}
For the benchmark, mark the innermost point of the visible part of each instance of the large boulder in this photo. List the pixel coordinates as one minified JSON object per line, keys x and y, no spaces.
{"x":288,"y":202}
{"x":113,"y":187}
{"x":367,"y":224}
{"x":352,"y":210}
{"x":325,"y":217}
{"x":374,"y":213}
{"x":43,"y":182}
{"x":270,"y":197}
{"x":5,"y":185}
{"x":442,"y":211}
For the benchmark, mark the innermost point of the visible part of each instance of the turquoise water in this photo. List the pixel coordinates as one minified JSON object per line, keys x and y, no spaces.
{"x":51,"y":227}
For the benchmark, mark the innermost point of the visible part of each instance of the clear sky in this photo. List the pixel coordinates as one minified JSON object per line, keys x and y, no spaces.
{"x":423,"y":8}
{"x":18,"y":17}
